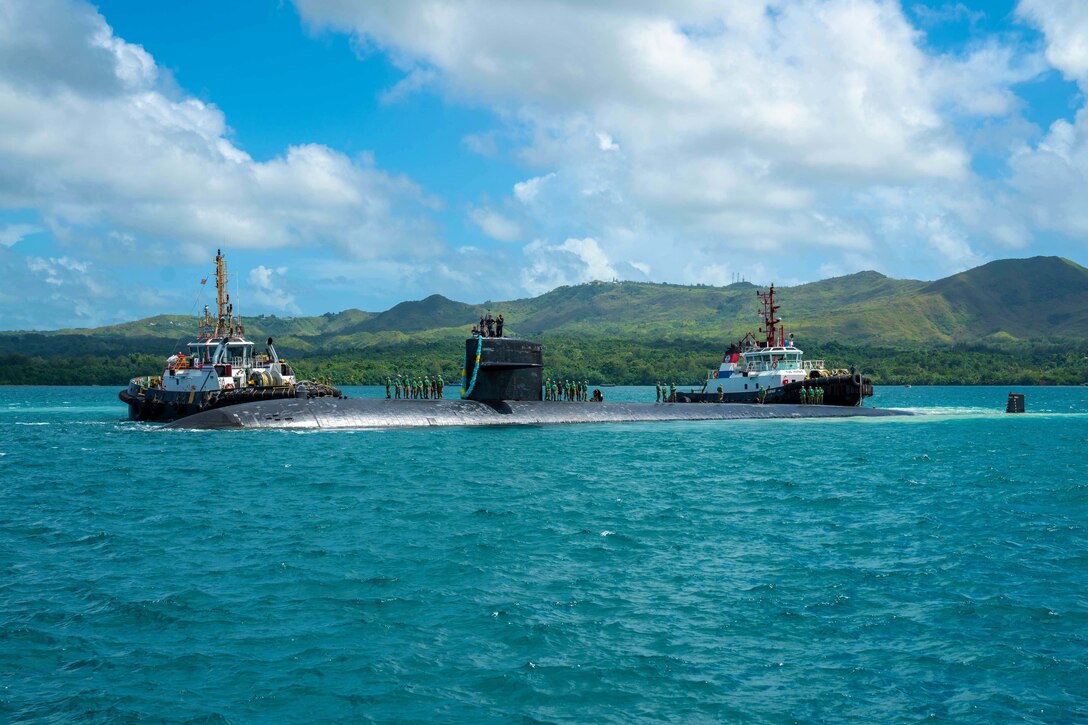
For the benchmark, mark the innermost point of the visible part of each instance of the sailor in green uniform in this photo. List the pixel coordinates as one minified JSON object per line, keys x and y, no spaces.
{"x":721,"y":393}
{"x":441,"y":386}
{"x":672,"y":392}
{"x":388,"y":389}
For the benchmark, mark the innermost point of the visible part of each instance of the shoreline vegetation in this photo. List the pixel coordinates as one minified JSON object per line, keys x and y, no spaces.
{"x":612,"y":360}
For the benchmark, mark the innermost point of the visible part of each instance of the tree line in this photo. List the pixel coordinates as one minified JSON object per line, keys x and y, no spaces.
{"x":683,"y":361}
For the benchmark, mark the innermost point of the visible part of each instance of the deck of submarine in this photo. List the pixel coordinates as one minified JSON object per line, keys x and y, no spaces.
{"x":385,"y":413}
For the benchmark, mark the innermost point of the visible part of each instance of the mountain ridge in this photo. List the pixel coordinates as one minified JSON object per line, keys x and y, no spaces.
{"x":1012,"y":299}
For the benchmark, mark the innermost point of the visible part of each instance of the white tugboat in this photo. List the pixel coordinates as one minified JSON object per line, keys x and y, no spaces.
{"x":771,"y":370}
{"x":220,"y":368}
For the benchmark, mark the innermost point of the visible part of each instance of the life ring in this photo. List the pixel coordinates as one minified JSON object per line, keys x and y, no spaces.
{"x":715,"y":374}
{"x":228,"y":386}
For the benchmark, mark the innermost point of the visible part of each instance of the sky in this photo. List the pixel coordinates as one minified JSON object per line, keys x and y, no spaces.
{"x":358,"y":154}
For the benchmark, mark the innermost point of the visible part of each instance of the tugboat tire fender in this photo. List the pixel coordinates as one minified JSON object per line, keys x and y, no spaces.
{"x":857,"y":379}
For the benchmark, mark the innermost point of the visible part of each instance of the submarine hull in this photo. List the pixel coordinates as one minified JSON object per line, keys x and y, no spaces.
{"x":385,"y":413}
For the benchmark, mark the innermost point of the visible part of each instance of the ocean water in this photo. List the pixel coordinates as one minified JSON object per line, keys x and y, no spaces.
{"x":883,"y":570}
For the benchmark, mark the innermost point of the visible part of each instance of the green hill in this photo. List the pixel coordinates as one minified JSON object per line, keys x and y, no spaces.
{"x":1037,"y":301}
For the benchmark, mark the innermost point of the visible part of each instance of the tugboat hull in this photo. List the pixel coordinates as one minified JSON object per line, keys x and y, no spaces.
{"x":838,"y":390}
{"x":162,"y":406}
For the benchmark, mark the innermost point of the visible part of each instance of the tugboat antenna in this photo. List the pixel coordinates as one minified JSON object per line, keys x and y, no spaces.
{"x":224,"y":322}
{"x":770,"y":322}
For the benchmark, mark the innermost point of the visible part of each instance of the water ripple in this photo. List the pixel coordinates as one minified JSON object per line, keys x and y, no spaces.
{"x":718,"y":571}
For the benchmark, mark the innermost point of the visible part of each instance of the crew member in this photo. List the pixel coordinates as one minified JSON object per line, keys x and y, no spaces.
{"x":672,"y":392}
{"x":388,"y":389}
{"x":721,"y":393}
{"x":498,"y":326}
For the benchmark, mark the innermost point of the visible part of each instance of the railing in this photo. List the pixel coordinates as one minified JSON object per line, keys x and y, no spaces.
{"x":762,"y":367}
{"x":148,"y":381}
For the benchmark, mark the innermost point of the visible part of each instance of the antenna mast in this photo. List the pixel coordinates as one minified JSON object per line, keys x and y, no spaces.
{"x":770,"y":322}
{"x":224,"y":325}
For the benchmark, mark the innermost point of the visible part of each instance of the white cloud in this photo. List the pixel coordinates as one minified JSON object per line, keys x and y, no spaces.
{"x":527,"y":191}
{"x":495,"y":225}
{"x":484,"y":144}
{"x":90,"y":139}
{"x":572,"y":262}
{"x":414,"y":82}
{"x":11,"y":234}
{"x":746,"y":127}
{"x":65,"y":291}
{"x":1050,"y":176}
{"x":1065,"y":25}
{"x":266,"y":288}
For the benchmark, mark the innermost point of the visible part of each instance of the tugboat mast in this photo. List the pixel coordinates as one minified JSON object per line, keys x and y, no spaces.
{"x":224,"y":325}
{"x":770,"y":322}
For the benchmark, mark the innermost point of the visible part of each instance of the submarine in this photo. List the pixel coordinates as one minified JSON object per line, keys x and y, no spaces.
{"x":501,"y":385}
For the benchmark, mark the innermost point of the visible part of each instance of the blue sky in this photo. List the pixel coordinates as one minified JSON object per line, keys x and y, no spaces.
{"x":348,"y":154}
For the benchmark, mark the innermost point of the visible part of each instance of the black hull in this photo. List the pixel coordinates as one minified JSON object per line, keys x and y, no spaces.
{"x":163,"y":406}
{"x":838,"y":390}
{"x":382,"y":413}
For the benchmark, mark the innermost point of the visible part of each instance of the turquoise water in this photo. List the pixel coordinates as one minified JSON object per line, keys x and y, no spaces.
{"x":772,"y":571}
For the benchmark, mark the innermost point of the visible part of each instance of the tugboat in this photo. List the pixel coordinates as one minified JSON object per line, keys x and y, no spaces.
{"x":220,"y":369}
{"x":771,"y":370}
